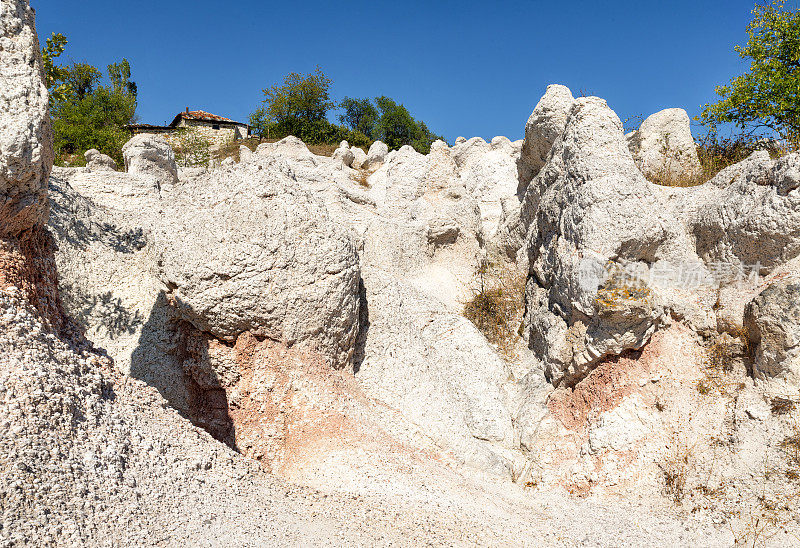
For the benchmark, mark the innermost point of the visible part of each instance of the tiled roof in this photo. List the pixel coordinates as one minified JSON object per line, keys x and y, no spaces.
{"x":202,"y":116}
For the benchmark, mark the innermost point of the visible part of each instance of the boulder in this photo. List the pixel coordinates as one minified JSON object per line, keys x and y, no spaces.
{"x":460,"y":140}
{"x":772,"y":325}
{"x":343,"y":154}
{"x":748,"y":214}
{"x":249,"y":250}
{"x":359,"y":157}
{"x":245,"y":154}
{"x":664,"y":148}
{"x":376,"y":155}
{"x":26,"y":151}
{"x":96,"y":161}
{"x":150,"y":156}
{"x":598,"y":227}
{"x":544,"y":125}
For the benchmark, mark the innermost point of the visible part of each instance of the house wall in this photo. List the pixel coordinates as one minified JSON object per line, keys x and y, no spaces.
{"x":215,"y":136}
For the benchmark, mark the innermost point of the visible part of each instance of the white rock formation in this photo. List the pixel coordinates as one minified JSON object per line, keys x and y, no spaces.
{"x":772,"y":322}
{"x":245,"y":154}
{"x":26,"y":151}
{"x":245,"y":251}
{"x":343,"y":154}
{"x":245,"y":285}
{"x":359,"y":157}
{"x":150,"y":156}
{"x":544,"y":125}
{"x":96,"y":161}
{"x":376,"y":155}
{"x":663,"y":146}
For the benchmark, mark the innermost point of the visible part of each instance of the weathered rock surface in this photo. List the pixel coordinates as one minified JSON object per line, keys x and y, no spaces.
{"x":489,"y":173}
{"x":597,"y":222}
{"x":749,"y":213}
{"x":245,"y":154}
{"x":253,"y":286}
{"x":245,"y":251}
{"x":343,"y":154}
{"x":359,"y":157}
{"x":663,"y":146}
{"x":150,"y":156}
{"x":376,"y":155}
{"x":545,"y":124}
{"x":26,"y":151}
{"x":772,"y":323}
{"x":96,"y":161}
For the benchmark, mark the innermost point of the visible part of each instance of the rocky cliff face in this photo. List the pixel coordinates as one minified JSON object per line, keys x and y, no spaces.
{"x":297,"y":317}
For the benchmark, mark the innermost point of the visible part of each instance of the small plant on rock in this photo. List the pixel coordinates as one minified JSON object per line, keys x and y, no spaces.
{"x":192,"y":149}
{"x":496,"y":305}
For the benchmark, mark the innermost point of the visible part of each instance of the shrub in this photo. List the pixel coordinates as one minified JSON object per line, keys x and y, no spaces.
{"x":495,"y":307}
{"x":318,"y":132}
{"x":191,"y":148}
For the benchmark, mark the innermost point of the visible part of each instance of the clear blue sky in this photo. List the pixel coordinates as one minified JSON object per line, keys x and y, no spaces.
{"x":465,"y":68}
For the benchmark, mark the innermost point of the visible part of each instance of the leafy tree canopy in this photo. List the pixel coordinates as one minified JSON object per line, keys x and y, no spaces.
{"x":87,"y":114}
{"x":359,"y":115}
{"x":301,"y":97}
{"x":396,"y":127}
{"x":767,"y":98}
{"x":54,"y":75}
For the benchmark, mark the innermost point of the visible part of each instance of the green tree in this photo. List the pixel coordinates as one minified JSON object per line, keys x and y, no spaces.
{"x":54,"y":75}
{"x":301,"y":97}
{"x":261,"y":122}
{"x":81,"y":80}
{"x":91,"y":115}
{"x":396,"y":127}
{"x":359,"y":115}
{"x":120,"y":76}
{"x":767,"y":98}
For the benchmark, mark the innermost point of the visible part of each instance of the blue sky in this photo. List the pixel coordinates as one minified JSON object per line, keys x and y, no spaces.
{"x":465,"y":68}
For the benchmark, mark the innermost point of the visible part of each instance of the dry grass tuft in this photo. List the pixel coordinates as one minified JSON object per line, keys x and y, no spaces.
{"x":361,"y":177}
{"x":715,"y":154}
{"x":677,"y":465}
{"x":722,"y":355}
{"x":496,"y":305}
{"x":230,"y":149}
{"x":782,"y":406}
{"x":323,"y":150}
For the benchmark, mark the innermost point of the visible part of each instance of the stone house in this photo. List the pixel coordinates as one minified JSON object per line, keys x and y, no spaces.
{"x":216,"y":129}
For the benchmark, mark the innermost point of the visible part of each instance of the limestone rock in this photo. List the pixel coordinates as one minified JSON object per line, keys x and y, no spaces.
{"x":295,"y":149}
{"x":344,"y":155}
{"x":598,"y":226}
{"x":664,"y":148}
{"x":417,"y":358}
{"x":749,"y":214}
{"x":489,"y":173}
{"x":96,"y":161}
{"x":248,"y":250}
{"x":772,"y":323}
{"x":359,"y":157}
{"x":376,"y":155}
{"x":150,"y":156}
{"x":245,"y":154}
{"x":26,"y":151}
{"x":544,"y":125}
